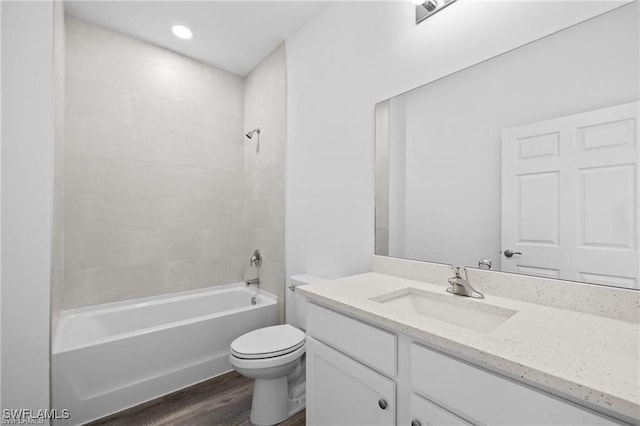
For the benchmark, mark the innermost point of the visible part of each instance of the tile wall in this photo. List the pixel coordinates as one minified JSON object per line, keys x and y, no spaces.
{"x":154,"y":175}
{"x":57,"y":261}
{"x":265,"y":107}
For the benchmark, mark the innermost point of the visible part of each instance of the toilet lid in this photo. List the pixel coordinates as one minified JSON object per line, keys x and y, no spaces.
{"x":268,"y":342}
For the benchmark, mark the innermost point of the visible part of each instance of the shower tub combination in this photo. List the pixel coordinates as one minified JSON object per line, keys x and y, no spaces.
{"x":107,"y":358}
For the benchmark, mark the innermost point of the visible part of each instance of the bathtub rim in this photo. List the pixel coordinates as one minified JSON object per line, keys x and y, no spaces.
{"x":58,"y":348}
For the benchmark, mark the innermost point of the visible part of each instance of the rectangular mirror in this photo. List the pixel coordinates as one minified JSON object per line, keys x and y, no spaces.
{"x":527,"y":162}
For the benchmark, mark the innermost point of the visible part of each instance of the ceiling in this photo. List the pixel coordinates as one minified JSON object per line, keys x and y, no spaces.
{"x":233,"y":35}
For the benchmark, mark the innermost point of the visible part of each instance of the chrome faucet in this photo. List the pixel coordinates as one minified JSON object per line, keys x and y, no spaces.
{"x":461,"y":286}
{"x":256,"y":258}
{"x":253,"y":281}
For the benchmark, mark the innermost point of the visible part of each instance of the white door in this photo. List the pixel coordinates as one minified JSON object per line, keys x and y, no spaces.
{"x":570,"y":197}
{"x":341,"y":391}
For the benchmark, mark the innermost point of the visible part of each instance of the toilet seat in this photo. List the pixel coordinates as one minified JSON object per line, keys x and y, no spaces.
{"x":268,"y":342}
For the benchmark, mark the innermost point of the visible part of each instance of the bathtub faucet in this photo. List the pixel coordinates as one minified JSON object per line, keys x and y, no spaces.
{"x":256,"y":258}
{"x":253,"y":281}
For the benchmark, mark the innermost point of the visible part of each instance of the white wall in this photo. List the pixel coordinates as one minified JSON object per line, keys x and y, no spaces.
{"x":341,"y":64}
{"x":452,"y":166}
{"x":27,"y":186}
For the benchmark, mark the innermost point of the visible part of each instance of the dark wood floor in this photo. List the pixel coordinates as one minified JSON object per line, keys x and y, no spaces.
{"x":224,"y":400}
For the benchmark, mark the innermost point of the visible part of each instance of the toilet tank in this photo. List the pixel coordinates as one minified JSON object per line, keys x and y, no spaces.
{"x":300,"y":302}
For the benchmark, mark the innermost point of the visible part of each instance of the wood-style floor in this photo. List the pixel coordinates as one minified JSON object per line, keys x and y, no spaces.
{"x":224,"y":400}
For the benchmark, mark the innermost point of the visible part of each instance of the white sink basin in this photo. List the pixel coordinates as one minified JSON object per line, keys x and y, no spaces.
{"x":452,"y":309}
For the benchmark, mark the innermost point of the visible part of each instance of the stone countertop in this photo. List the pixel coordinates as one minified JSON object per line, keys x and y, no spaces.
{"x":580,"y":356}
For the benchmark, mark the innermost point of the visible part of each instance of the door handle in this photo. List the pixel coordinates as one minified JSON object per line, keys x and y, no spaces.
{"x":510,"y":253}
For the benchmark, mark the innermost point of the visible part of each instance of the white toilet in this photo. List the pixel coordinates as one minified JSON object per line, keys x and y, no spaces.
{"x":274,"y":357}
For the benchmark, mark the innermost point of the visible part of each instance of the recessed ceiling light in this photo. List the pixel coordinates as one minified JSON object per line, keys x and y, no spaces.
{"x":182,"y":32}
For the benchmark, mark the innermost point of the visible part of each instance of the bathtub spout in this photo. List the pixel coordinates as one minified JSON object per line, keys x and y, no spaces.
{"x":253,"y":281}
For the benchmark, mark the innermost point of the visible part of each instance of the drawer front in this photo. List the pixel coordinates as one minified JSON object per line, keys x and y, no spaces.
{"x":480,"y":396}
{"x":426,"y":413}
{"x":364,"y":342}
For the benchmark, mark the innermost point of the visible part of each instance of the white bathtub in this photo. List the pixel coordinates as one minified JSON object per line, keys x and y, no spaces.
{"x":106,"y":358}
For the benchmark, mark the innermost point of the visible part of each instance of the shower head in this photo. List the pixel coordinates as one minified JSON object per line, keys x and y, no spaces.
{"x":252,"y":132}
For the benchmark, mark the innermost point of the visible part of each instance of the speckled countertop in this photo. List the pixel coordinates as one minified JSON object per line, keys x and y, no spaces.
{"x":581,"y":356}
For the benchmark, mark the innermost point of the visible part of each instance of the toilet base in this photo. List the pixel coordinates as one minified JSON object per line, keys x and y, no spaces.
{"x":270,"y":401}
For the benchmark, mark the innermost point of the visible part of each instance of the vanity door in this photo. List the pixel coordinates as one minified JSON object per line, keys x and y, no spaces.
{"x":341,"y":391}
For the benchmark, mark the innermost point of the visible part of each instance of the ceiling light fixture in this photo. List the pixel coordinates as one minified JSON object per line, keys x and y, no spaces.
{"x":424,"y":9}
{"x":182,"y":32}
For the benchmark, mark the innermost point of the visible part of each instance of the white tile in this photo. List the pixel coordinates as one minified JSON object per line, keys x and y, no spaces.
{"x":270,"y":181}
{"x":222,"y":128}
{"x":242,"y":242}
{"x":258,"y":213}
{"x":74,"y":56}
{"x":95,"y":174}
{"x":73,"y":289}
{"x":74,"y":134}
{"x":199,"y":273}
{"x":224,"y":156}
{"x":180,"y":213}
{"x":238,"y":215}
{"x":237,"y":268}
{"x":108,"y":59}
{"x":216,"y":243}
{"x":57,"y":259}
{"x":139,"y":211}
{"x":101,"y":212}
{"x":223,"y":185}
{"x":148,"y":246}
{"x":223,"y":92}
{"x":156,"y":55}
{"x":73,"y":250}
{"x":217,"y":213}
{"x":105,"y":139}
{"x":73,"y":211}
{"x":272,"y":277}
{"x":147,"y":145}
{"x":271,"y":242}
{"x":152,"y":79}
{"x":184,"y":244}
{"x":184,"y":150}
{"x":251,"y":185}
{"x":143,"y":178}
{"x":277,"y":213}
{"x":188,"y":86}
{"x":158,"y":113}
{"x":106,"y":249}
{"x":104,"y":285}
{"x":58,"y":210}
{"x":96,"y":100}
{"x":183,"y":182}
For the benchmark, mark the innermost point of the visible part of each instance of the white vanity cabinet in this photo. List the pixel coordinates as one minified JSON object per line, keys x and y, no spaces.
{"x":359,"y":374}
{"x":350,"y":370}
{"x":482,"y":397}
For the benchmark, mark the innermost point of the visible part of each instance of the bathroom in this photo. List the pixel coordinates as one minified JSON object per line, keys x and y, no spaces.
{"x":315,"y":170}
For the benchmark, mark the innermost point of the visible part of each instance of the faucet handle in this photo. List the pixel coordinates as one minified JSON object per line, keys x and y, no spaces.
{"x":256,"y":258}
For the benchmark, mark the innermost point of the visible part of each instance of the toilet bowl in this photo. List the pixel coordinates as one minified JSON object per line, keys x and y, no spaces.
{"x":274,"y":358}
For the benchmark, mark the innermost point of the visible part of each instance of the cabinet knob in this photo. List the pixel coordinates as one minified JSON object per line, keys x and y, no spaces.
{"x":415,"y":423}
{"x":382,"y":404}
